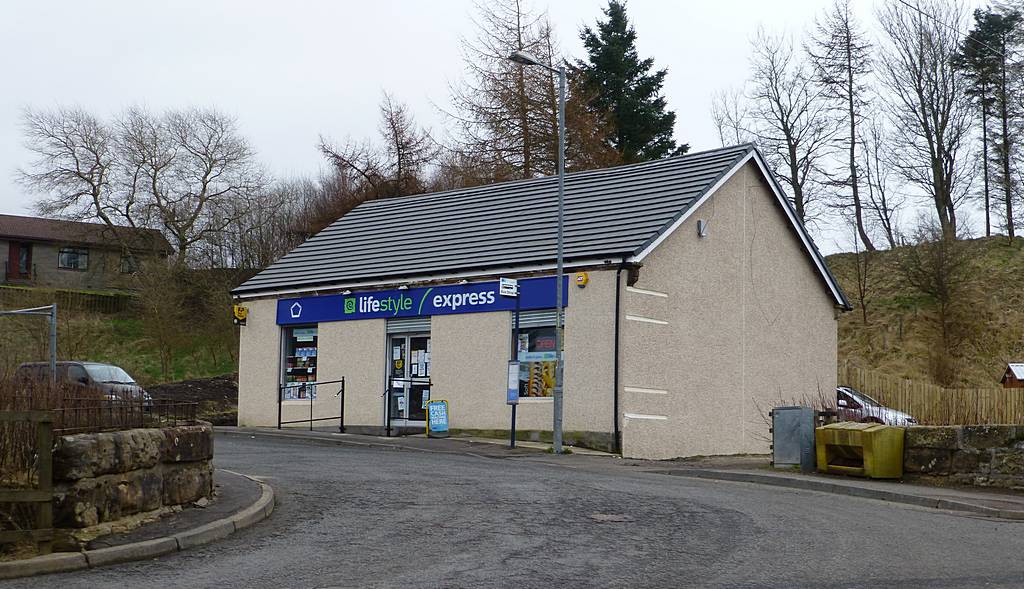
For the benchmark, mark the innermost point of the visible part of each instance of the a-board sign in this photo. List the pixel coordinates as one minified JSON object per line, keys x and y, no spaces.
{"x":437,"y":419}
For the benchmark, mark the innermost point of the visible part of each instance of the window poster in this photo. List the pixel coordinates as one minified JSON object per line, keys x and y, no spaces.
{"x":304,"y":334}
{"x":536,"y":354}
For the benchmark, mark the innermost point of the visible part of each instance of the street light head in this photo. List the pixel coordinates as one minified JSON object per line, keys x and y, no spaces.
{"x":524,"y":58}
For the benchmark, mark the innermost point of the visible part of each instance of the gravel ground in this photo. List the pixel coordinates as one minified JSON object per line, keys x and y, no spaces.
{"x":354,"y":517}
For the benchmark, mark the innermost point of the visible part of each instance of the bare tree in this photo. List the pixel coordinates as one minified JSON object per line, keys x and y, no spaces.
{"x":273,"y":223}
{"x":730,"y":112}
{"x":77,"y":167}
{"x":938,"y":266}
{"x":199,"y":173}
{"x":504,"y":114}
{"x":927,"y":104}
{"x":841,"y":56}
{"x":882,"y":201}
{"x":186,"y":172}
{"x":789,"y":119}
{"x":863,"y":274}
{"x":407,"y":149}
{"x":394,"y":166}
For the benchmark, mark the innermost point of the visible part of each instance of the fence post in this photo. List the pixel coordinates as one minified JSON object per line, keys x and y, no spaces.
{"x":44,"y":510}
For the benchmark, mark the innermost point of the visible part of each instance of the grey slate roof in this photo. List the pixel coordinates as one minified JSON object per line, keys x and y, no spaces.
{"x":610,"y":214}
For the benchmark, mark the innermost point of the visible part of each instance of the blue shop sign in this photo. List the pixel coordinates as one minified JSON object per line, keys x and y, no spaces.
{"x":479,"y":297}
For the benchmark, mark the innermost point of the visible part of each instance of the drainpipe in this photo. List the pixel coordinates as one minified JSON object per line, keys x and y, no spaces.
{"x":617,"y":439}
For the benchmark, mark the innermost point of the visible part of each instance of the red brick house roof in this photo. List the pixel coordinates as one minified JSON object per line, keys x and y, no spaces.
{"x":79,"y":233}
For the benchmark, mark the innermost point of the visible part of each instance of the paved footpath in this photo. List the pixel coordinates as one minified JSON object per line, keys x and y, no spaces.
{"x":366,"y":514}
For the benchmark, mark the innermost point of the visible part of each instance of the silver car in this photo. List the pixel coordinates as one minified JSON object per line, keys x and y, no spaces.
{"x":111,"y":381}
{"x":853,"y":405}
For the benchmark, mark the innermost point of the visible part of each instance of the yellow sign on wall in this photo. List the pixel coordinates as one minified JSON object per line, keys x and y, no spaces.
{"x":239,"y":313}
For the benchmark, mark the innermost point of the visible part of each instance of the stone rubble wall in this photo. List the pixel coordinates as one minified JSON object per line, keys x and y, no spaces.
{"x":104,"y":477}
{"x":980,"y":455}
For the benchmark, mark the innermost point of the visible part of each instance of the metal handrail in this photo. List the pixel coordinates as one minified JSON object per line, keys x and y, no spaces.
{"x":297,"y":385}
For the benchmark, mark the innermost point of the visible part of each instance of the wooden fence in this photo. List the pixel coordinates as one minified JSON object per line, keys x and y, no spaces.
{"x":934,"y":405}
{"x":12,"y":297}
{"x":41,"y":495}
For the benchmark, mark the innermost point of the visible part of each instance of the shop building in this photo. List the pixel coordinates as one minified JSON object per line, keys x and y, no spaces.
{"x":695,"y":301}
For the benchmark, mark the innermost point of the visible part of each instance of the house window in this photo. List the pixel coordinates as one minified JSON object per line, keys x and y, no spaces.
{"x":73,"y":258}
{"x":25,"y":259}
{"x":129,"y":265}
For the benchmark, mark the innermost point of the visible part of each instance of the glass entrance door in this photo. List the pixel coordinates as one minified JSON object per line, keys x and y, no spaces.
{"x":409,"y":378}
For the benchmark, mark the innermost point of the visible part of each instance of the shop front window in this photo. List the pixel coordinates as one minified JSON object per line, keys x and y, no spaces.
{"x":535,"y":350}
{"x":300,"y":348}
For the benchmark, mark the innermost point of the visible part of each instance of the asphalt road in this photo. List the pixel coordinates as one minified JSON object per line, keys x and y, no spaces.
{"x":358,"y":517}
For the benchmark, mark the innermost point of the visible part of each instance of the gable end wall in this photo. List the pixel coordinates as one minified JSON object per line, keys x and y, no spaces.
{"x":731,"y":324}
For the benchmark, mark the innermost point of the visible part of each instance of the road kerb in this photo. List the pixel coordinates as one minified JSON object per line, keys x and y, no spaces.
{"x":62,"y":562}
{"x":205,"y":534}
{"x":256,"y":512}
{"x":58,"y":562}
{"x":129,"y":552}
{"x":850,"y":490}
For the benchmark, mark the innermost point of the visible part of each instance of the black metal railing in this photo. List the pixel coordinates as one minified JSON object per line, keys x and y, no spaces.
{"x":307,"y":391}
{"x":78,"y":415}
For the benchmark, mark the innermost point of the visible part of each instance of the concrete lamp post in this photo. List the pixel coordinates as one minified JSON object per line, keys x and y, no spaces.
{"x":526,"y":59}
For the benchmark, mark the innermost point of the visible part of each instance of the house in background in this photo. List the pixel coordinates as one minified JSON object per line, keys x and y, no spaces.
{"x":53,"y":253}
{"x":1013,"y":378}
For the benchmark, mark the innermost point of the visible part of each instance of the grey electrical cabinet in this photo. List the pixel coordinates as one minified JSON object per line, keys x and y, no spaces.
{"x":793,"y":438}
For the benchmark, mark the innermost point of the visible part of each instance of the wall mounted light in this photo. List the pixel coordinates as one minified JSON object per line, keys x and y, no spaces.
{"x":346,"y":292}
{"x":702,"y":228}
{"x":403,"y":287}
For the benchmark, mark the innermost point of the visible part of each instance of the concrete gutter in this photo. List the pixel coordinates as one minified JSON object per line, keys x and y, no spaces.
{"x":842,"y":489}
{"x":60,"y":562}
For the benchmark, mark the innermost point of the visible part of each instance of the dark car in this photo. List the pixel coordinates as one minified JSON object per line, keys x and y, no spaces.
{"x":112,"y":381}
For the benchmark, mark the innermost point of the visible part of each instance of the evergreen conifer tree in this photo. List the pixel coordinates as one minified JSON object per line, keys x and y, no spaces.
{"x":623,"y":89}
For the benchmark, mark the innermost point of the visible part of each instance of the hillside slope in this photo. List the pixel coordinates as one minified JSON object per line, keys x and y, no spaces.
{"x":902,"y":337}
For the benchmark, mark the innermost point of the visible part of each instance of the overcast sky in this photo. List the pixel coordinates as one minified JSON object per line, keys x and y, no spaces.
{"x":291,"y":71}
